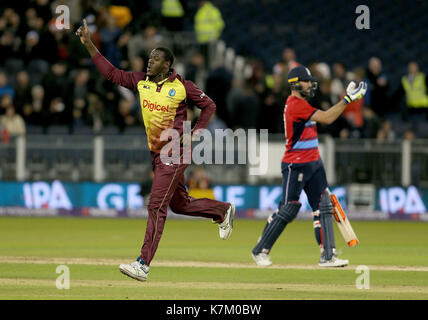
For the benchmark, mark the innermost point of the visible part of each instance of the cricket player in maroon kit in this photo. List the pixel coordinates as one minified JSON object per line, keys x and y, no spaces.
{"x":163,"y":96}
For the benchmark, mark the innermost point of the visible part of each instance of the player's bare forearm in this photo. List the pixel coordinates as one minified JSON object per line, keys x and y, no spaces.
{"x":329,"y":116}
{"x":92,"y":49}
{"x":353,"y":93}
{"x":334,"y":112}
{"x":122,"y":78}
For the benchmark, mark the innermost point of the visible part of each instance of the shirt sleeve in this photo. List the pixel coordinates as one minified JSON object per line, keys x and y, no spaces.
{"x":202,"y":101}
{"x":303,"y":111}
{"x":122,"y":78}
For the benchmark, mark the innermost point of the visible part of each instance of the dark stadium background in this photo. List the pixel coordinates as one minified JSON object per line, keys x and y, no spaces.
{"x":62,"y":121}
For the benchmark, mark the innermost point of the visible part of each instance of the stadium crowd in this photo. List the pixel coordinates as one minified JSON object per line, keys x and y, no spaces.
{"x":47,"y":78}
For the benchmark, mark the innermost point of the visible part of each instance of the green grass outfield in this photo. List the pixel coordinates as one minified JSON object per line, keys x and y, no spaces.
{"x":193,"y":263}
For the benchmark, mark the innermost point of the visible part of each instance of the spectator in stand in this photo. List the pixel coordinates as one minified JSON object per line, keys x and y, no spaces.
{"x":137,"y":64}
{"x":217,"y":87}
{"x":5,"y":102}
{"x":79,"y":97}
{"x":14,"y":23}
{"x":195,"y":69}
{"x":39,"y":42}
{"x":5,"y":88}
{"x":354,"y":111}
{"x":127,"y":114}
{"x":287,"y":63}
{"x":321,"y":71}
{"x":42,"y":8}
{"x":89,"y":13}
{"x":282,"y":67}
{"x":109,"y":95}
{"x":12,"y":31}
{"x":234,"y":94}
{"x":12,"y":122}
{"x":173,"y":13}
{"x":273,"y":102}
{"x":22,"y":91}
{"x":244,"y":106}
{"x":57,"y":94}
{"x":96,"y":114}
{"x":31,"y":49}
{"x":209,"y":26}
{"x":30,"y":16}
{"x":258,"y":79}
{"x":7,"y":42}
{"x":385,"y":134}
{"x":371,"y":122}
{"x":122,"y":43}
{"x":339,"y":82}
{"x":199,"y":184}
{"x":414,"y":86}
{"x":378,"y":88}
{"x":143,"y":42}
{"x":409,"y":135}
{"x":109,"y":36}
{"x":47,"y":42}
{"x":62,"y":38}
{"x":34,"y":112}
{"x":121,"y":11}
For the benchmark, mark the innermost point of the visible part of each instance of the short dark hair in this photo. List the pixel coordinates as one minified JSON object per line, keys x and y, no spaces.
{"x":169,"y":56}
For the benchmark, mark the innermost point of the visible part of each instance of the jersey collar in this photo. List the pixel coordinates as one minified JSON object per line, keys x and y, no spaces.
{"x":171,"y":77}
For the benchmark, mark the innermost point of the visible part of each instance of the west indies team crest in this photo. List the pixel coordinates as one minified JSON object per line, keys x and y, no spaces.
{"x":171,"y":92}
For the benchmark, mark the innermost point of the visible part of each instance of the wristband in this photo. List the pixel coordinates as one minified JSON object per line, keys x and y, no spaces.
{"x":347,"y":99}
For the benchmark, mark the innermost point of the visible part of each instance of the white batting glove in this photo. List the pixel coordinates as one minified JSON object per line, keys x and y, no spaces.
{"x":354,"y":94}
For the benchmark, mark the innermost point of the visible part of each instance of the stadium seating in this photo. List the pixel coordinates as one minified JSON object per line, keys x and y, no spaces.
{"x":264,"y":29}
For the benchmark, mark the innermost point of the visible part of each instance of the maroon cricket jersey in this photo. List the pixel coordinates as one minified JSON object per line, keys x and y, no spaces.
{"x":163,"y":104}
{"x":300,"y":132}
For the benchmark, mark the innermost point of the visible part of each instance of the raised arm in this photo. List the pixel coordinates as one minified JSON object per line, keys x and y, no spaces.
{"x":352,"y":94}
{"x":123,"y":78}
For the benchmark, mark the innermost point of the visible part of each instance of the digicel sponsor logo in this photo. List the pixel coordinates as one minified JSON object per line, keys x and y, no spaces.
{"x":154,"y":106}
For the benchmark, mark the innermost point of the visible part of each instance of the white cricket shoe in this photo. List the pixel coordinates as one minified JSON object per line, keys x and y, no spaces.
{"x":135,"y":270}
{"x":225,"y":228}
{"x":262,"y":259}
{"x":333,"y":262}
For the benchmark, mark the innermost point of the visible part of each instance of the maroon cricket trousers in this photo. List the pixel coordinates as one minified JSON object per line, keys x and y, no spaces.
{"x":168,"y":189}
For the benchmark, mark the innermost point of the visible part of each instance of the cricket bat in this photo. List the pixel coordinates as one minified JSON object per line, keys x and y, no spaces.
{"x":343,"y":223}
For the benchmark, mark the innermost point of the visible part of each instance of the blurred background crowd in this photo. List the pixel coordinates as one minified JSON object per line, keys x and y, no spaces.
{"x":47,"y":79}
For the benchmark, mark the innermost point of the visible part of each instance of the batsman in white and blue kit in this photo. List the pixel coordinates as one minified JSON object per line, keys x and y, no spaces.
{"x":303,"y":169}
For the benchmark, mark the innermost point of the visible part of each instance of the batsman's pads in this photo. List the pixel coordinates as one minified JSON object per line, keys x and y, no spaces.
{"x":354,"y":94}
{"x":275,"y":226}
{"x":317,"y":226}
{"x":269,"y":219}
{"x":326,"y":218}
{"x":343,"y":223}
